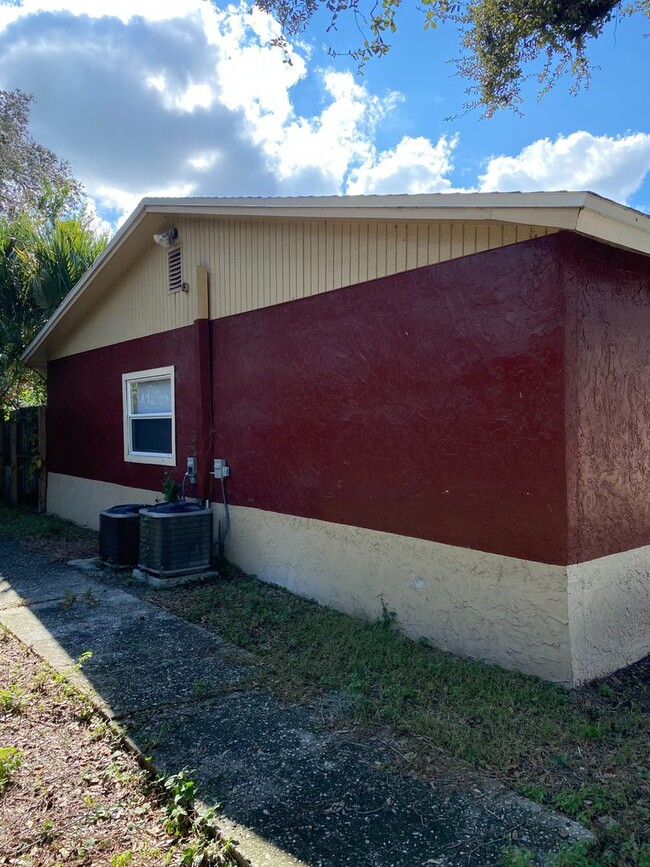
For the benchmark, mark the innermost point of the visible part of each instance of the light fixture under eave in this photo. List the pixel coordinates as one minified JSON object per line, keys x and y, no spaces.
{"x":166,"y":239}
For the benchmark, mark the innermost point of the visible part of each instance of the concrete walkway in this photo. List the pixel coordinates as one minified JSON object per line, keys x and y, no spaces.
{"x":290,"y":793}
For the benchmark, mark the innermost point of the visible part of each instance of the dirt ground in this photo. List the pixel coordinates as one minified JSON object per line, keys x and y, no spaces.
{"x":70,"y":793}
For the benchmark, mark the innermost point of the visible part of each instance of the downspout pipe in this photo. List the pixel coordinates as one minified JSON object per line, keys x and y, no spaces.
{"x":205,"y":446}
{"x":205,"y":433}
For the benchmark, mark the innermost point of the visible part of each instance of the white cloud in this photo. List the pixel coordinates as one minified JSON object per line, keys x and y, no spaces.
{"x":96,"y":106}
{"x":190,"y":98}
{"x":99,"y":224}
{"x":252,"y":75}
{"x":125,"y":10}
{"x":204,"y":161}
{"x":613,"y":167}
{"x":123,"y":203}
{"x":318,"y":149}
{"x":334,"y":140}
{"x":415,"y":165}
{"x":181,"y":97}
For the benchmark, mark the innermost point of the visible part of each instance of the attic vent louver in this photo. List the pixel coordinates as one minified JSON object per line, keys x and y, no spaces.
{"x":174,"y":269}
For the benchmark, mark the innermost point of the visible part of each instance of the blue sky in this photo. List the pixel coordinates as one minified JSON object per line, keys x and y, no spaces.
{"x":184,"y":97}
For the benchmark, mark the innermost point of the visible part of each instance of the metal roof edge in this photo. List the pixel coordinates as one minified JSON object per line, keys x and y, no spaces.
{"x":384,"y":203}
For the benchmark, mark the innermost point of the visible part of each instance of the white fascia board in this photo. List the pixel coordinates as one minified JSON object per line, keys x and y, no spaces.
{"x":419,"y":201}
{"x":615,"y":224}
{"x":577,"y":211}
{"x":564,"y":218}
{"x":559,"y":210}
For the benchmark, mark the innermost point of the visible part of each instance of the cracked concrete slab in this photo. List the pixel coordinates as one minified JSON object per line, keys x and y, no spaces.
{"x":127,"y":668}
{"x":31,"y":588}
{"x":321,"y":798}
{"x":290,"y":791}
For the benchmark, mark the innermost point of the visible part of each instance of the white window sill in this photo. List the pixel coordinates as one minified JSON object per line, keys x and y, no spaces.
{"x":160,"y":460}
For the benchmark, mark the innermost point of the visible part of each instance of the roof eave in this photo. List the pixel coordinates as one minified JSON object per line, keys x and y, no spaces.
{"x":582,"y":212}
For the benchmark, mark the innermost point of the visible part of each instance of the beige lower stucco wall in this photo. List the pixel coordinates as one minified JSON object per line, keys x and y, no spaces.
{"x":81,"y":500}
{"x":609,"y":612}
{"x":508,"y":611}
{"x":566,"y":624}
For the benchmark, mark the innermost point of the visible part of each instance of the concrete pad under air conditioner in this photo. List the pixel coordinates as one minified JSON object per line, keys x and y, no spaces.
{"x":163,"y":583}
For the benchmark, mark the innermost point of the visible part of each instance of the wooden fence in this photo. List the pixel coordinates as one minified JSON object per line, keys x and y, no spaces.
{"x":23,"y":458}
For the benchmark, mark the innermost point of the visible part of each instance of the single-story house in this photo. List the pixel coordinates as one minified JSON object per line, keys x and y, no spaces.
{"x":439,"y":404}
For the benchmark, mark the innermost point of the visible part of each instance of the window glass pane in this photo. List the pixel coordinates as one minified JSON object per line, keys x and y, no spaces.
{"x":151,"y":397}
{"x":151,"y":435}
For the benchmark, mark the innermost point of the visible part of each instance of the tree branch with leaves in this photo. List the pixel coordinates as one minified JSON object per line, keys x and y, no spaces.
{"x":500,"y":39}
{"x":32,"y":178}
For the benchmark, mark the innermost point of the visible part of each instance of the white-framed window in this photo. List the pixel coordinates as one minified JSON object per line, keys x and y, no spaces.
{"x":149,"y":428}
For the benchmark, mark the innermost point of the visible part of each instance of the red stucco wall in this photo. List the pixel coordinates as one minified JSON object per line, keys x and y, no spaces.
{"x":608,"y":398}
{"x":84,"y":415}
{"x":428,"y":404}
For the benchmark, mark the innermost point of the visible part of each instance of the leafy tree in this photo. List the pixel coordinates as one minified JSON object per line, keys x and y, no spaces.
{"x":40,"y":261}
{"x":32,"y":178}
{"x":500,"y":38}
{"x":42,"y":252}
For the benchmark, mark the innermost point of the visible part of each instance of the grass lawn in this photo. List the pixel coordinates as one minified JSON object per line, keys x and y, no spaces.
{"x":585,"y":752}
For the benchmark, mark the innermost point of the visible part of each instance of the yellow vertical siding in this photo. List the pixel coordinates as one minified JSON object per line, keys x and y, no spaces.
{"x":137,"y":305}
{"x":255,"y":263}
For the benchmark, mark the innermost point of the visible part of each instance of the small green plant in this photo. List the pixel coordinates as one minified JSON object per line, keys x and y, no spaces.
{"x":89,"y":598}
{"x":83,"y":659}
{"x":62,"y":678}
{"x":85,"y":712}
{"x":179,"y":790}
{"x":579,"y":855}
{"x":10,"y":760}
{"x":205,"y":822}
{"x":68,"y":600}
{"x":388,"y":617}
{"x":99,"y":730}
{"x":153,"y":740}
{"x":513,"y":856}
{"x":587,"y":802}
{"x":47,"y":830}
{"x":200,"y":688}
{"x":205,"y":846}
{"x":590,"y":731}
{"x":122,"y":859}
{"x":170,"y":489}
{"x":12,"y":699}
{"x":201,"y":852}
{"x":533,"y":791}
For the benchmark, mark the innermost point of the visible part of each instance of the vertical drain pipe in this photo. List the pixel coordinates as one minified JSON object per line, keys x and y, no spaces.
{"x":205,"y":433}
{"x":206,"y":392}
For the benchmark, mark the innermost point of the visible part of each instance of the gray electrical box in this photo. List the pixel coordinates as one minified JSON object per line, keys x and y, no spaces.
{"x":221,"y":469}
